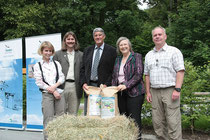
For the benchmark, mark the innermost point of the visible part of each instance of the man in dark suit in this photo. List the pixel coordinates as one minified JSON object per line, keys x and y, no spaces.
{"x":93,"y":73}
{"x":70,"y":59}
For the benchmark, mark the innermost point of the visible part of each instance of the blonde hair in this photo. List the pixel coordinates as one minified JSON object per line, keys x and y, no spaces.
{"x":46,"y":44}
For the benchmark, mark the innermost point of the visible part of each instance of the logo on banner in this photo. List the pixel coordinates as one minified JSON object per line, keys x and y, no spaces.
{"x":8,"y":50}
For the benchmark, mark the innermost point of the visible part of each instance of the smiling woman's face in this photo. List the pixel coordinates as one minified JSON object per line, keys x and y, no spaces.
{"x":124,"y":47}
{"x":47,"y":53}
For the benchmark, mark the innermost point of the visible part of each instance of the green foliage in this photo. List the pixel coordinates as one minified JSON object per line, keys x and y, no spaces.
{"x":28,"y":18}
{"x":200,"y":55}
{"x":185,"y":122}
{"x":189,"y":30}
{"x":187,"y":25}
{"x":203,"y":123}
{"x":158,"y":12}
{"x":143,"y":43}
{"x":186,"y":22}
{"x":146,"y":114}
{"x":23,"y":20}
{"x":196,"y":79}
{"x":193,"y":107}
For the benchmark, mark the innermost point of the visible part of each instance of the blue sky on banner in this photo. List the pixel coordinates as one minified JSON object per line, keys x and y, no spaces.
{"x":10,"y":81}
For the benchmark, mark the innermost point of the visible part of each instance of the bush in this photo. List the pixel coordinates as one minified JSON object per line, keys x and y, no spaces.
{"x":203,"y":123}
{"x":146,"y":114}
{"x":195,"y":110}
{"x":193,"y":107}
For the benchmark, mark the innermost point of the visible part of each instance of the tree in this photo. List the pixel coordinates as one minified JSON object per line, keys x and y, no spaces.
{"x":29,"y":18}
{"x":117,"y":18}
{"x":186,"y":23}
{"x":24,"y":19}
{"x":190,"y":32}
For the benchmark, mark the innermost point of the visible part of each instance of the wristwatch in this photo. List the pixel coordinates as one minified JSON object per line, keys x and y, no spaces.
{"x":177,"y":89}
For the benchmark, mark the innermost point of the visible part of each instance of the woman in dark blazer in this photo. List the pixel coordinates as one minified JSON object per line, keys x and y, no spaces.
{"x":128,"y":76}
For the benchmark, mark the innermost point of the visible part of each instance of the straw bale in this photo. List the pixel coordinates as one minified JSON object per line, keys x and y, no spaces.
{"x":68,"y":127}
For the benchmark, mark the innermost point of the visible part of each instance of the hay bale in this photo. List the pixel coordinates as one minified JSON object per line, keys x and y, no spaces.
{"x":68,"y":127}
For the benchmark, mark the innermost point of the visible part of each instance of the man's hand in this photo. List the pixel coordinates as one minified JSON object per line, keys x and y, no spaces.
{"x":149,"y":97}
{"x":175,"y":95}
{"x":105,"y":86}
{"x":85,"y":86}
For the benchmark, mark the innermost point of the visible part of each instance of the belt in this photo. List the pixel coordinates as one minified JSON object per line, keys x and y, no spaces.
{"x":93,"y":81}
{"x":163,"y":87}
{"x":70,"y":80}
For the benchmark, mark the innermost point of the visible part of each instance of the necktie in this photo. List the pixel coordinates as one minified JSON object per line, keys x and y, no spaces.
{"x":94,"y":72}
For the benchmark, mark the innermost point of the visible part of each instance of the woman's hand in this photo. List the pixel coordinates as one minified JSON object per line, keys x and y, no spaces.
{"x":56,"y":95}
{"x":51,"y":89}
{"x":121,"y":87}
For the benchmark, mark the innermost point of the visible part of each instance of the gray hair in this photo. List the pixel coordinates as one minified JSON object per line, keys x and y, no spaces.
{"x":164,"y":30}
{"x":121,"y":39}
{"x":98,"y":30}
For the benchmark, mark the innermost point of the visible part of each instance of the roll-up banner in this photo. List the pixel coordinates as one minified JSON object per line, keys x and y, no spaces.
{"x":34,"y":96}
{"x":11,"y":85}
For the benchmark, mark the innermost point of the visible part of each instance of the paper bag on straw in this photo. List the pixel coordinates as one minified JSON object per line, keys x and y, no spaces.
{"x":94,"y":101}
{"x":109,"y":103}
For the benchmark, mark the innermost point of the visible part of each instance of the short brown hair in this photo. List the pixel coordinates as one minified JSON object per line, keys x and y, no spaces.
{"x":46,"y":44}
{"x":76,"y":46}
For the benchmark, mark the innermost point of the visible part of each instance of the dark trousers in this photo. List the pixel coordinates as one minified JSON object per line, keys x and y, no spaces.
{"x":131,"y":107}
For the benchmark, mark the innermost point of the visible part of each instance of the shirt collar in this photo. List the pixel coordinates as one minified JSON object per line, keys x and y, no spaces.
{"x":42,"y":61}
{"x":71,"y":53}
{"x":164,"y":48}
{"x":101,"y":47}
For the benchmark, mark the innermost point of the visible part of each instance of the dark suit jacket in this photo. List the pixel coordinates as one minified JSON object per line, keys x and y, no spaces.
{"x":105,"y":66}
{"x":61,"y":56}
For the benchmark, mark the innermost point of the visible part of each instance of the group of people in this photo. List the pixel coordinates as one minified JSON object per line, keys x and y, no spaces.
{"x":61,"y":79}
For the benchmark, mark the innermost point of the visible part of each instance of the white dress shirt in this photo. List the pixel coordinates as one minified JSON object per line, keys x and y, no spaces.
{"x":70,"y":74}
